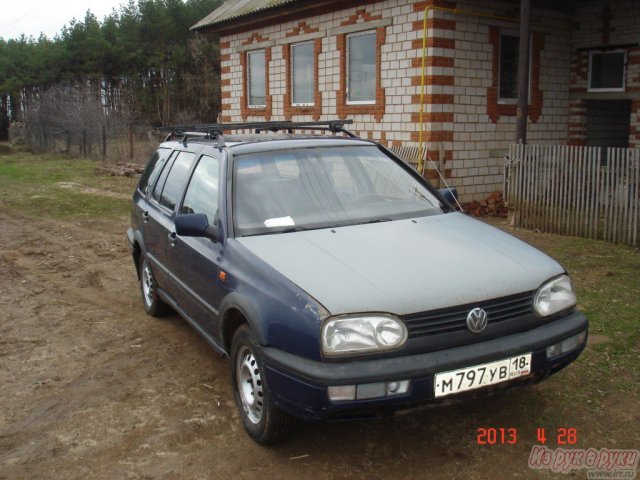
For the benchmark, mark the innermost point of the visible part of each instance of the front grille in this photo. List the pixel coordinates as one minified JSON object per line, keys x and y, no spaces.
{"x":453,"y":319}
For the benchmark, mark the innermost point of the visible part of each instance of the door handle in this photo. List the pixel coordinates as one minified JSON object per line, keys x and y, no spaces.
{"x":173,"y":239}
{"x":145,"y":216}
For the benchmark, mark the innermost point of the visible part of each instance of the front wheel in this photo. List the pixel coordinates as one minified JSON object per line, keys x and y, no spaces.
{"x":262,"y":420}
{"x":153,"y":304}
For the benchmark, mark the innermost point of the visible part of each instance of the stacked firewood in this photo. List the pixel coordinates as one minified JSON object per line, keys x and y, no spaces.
{"x":121,"y":169}
{"x":493,"y":206}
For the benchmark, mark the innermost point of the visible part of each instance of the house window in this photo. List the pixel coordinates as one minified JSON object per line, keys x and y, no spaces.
{"x":503,"y":92}
{"x":607,"y":71}
{"x":361,"y":68}
{"x":509,"y":56}
{"x":256,"y":78}
{"x":302,"y":74}
{"x":509,"y":48}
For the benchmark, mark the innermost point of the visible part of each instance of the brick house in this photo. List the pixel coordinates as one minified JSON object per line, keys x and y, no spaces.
{"x":316,"y":59}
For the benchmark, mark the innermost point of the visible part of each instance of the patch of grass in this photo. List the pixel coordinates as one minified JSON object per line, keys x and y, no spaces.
{"x":53,"y":186}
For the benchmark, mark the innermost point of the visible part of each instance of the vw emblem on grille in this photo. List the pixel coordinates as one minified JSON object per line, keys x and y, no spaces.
{"x":477,"y":320}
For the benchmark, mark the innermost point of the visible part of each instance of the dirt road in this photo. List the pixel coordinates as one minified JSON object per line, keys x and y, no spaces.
{"x":94,"y":388}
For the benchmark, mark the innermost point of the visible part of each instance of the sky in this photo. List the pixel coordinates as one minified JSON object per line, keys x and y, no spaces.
{"x":32,"y":17}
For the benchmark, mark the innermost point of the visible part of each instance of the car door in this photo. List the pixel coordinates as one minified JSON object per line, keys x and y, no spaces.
{"x":141,"y":213}
{"x":162,"y":204}
{"x":195,"y":260}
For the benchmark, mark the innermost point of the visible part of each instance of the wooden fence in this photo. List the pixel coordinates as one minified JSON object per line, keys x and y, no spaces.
{"x":590,"y":192}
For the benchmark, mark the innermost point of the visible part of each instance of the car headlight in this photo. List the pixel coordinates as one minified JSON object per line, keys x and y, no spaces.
{"x":554,"y":296}
{"x":363,"y":333}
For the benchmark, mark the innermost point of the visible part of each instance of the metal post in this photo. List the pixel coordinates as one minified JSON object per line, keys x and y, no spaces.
{"x":523,"y":70}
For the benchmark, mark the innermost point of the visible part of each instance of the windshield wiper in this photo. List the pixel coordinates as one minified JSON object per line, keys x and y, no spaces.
{"x":295,"y":229}
{"x":376,"y":220}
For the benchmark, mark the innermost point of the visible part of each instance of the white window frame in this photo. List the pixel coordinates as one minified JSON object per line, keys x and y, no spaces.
{"x":313,"y":82}
{"x":624,"y":71}
{"x":357,"y":34}
{"x":248,"y":54}
{"x":513,"y":101}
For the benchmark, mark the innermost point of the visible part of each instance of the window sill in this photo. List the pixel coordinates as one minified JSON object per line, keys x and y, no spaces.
{"x":603,"y":90}
{"x":361,"y":103}
{"x":509,"y":101}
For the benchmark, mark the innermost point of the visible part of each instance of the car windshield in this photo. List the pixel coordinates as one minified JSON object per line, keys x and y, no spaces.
{"x":311,"y":188}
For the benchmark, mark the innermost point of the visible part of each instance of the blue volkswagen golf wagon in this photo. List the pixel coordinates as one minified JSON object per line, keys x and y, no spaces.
{"x":337,"y":280}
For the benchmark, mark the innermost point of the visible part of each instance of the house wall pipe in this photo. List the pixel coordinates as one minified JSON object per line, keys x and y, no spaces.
{"x":523,"y":71}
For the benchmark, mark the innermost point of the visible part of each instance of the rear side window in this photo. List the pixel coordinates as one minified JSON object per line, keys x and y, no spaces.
{"x":153,"y":169}
{"x":202,"y":193}
{"x":175,"y":180}
{"x":162,"y":177}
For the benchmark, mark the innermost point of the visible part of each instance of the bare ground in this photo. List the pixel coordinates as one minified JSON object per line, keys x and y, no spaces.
{"x":93,"y":388}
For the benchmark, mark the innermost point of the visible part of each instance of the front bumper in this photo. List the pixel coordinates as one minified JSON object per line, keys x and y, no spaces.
{"x":299,"y":385}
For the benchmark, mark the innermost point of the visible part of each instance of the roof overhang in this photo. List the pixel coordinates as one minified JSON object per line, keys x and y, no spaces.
{"x":276,"y":11}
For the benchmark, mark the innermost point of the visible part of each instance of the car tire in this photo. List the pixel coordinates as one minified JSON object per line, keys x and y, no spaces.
{"x":262,"y":420}
{"x":152,"y":303}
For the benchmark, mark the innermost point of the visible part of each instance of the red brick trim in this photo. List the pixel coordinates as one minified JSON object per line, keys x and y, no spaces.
{"x":301,"y":29}
{"x":429,"y":118}
{"x":289,"y":109}
{"x":254,"y":38}
{"x":434,"y":99}
{"x":433,"y":136}
{"x":432,"y":117}
{"x":434,"y":42}
{"x":245,"y":111}
{"x":577,"y":125}
{"x":634,"y":128}
{"x":377,"y":109}
{"x":496,"y":109}
{"x":579,"y":72}
{"x":360,"y":14}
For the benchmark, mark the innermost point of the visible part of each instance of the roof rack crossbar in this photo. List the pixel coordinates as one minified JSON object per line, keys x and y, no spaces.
{"x":215,"y":130}
{"x":332,"y":125}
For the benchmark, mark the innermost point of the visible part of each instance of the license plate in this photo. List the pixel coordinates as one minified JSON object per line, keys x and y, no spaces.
{"x":479,"y":376}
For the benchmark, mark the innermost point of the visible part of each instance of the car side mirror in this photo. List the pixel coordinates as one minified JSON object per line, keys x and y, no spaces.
{"x":449,"y":194}
{"x":195,"y":225}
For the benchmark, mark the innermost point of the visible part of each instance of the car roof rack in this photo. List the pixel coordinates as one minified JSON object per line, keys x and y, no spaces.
{"x":215,"y":130}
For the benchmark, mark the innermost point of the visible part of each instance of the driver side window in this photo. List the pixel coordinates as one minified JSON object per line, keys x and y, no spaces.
{"x":202,"y":192}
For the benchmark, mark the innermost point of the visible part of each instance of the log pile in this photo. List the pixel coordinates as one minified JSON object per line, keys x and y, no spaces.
{"x":493,"y":206}
{"x":121,"y":169}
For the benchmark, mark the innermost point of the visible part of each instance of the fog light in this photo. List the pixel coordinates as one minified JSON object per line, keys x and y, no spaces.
{"x":553,"y":351}
{"x":398,"y":388}
{"x":566,"y":345}
{"x":342,"y":393}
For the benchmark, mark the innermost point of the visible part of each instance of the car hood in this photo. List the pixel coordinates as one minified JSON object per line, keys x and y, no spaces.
{"x":405,"y":266}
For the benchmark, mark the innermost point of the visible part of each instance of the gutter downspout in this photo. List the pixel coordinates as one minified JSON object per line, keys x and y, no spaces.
{"x":523,"y":71}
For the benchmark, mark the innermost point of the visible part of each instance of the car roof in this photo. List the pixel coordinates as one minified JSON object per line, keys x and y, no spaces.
{"x":260,"y":142}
